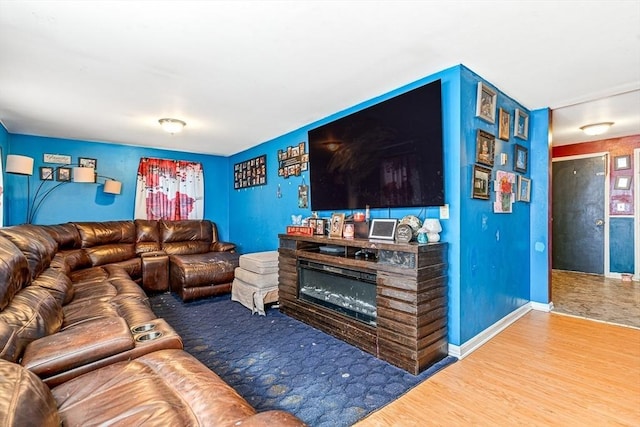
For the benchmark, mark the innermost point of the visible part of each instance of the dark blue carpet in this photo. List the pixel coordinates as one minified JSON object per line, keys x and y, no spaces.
{"x":276,"y":362}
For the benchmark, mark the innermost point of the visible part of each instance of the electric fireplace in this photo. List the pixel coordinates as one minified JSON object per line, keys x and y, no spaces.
{"x":347,"y":291}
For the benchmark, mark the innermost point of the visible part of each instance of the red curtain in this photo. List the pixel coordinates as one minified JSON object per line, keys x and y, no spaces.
{"x":169,"y":189}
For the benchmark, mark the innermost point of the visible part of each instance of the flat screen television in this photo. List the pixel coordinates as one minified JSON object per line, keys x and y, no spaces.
{"x":387,"y":155}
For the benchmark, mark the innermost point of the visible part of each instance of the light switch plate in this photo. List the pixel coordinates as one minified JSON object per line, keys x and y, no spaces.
{"x":444,"y":212}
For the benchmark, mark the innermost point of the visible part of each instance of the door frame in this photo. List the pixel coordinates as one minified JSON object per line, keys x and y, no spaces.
{"x":636,"y":214}
{"x":604,"y":154}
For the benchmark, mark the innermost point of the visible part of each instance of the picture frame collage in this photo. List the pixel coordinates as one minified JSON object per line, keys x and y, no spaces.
{"x":293,"y":160}
{"x":63,"y":173}
{"x":623,"y":172}
{"x":250,"y":173}
{"x":485,"y":150}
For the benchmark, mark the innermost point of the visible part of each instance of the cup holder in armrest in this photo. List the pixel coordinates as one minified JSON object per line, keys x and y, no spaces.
{"x":146,"y":327}
{"x":149,"y":336}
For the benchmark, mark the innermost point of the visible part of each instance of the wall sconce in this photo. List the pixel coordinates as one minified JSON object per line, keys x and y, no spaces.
{"x":172,"y":125}
{"x":596,"y":128}
{"x":23,"y":165}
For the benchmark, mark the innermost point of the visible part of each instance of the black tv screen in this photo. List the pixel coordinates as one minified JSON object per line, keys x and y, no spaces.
{"x":385,"y":156}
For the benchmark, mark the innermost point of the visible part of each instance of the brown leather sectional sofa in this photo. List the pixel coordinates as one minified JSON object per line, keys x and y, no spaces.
{"x":79,"y":343}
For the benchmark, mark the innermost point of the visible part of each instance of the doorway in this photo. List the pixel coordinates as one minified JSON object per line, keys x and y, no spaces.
{"x":579,"y":214}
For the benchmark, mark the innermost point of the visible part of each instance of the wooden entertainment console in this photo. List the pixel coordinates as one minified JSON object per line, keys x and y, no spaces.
{"x":410,"y":330}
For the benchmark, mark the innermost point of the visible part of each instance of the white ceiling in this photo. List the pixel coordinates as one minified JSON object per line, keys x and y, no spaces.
{"x":243,"y":72}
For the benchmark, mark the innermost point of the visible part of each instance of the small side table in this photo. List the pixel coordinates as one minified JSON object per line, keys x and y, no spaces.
{"x":155,"y":271}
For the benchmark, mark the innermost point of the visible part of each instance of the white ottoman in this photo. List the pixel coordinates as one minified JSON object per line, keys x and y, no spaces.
{"x":256,"y":281}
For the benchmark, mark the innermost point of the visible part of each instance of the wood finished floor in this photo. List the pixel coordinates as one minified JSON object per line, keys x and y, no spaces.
{"x":596,"y":297}
{"x":546,"y":369}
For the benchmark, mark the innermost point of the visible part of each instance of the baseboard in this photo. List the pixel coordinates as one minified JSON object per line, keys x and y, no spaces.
{"x":538,"y":306}
{"x":462,"y":351}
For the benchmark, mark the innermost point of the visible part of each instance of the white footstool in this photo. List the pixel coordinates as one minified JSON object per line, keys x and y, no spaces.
{"x":256,"y":281}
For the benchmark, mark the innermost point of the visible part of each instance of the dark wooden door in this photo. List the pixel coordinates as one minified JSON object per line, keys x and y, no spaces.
{"x":578,"y":214}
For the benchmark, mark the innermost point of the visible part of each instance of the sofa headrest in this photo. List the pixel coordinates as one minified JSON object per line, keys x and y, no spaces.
{"x":186,"y":236}
{"x":66,"y":235}
{"x":14,"y":271}
{"x":106,"y":232}
{"x":147,"y":235}
{"x":24,"y":399}
{"x":184,"y":230}
{"x":33,"y":313}
{"x":35,"y":243}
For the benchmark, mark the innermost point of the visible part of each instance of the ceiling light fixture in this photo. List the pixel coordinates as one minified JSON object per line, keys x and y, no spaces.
{"x":172,"y":125}
{"x":596,"y":128}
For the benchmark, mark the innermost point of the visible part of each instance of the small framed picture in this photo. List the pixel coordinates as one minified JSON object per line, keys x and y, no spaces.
{"x":480,"y":182}
{"x":335,"y":227}
{"x":383,"y":229}
{"x":520,"y":158}
{"x":485,"y":146}
{"x":521,"y":124}
{"x":503,"y":124}
{"x":622,"y":162}
{"x":486,"y":103}
{"x":622,"y":183}
{"x":524,"y":189}
{"x":64,"y":174}
{"x":85,"y":162}
{"x":46,"y":173}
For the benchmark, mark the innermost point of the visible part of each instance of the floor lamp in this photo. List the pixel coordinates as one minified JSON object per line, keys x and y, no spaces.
{"x":21,"y":165}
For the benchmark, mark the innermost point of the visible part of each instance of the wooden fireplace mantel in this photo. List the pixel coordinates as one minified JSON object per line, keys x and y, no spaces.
{"x":411,"y":296}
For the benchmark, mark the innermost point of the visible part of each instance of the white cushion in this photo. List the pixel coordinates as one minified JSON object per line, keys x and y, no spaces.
{"x":256,"y":279}
{"x":260,"y":262}
{"x":252,"y":297}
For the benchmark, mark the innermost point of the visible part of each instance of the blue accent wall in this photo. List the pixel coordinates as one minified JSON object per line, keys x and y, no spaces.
{"x":87,"y":202}
{"x":540,"y":164}
{"x":259,"y":215}
{"x":4,"y":148}
{"x":621,"y":239}
{"x":494,"y":256}
{"x":489,"y":253}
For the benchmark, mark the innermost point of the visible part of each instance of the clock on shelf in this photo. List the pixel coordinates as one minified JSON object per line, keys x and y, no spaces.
{"x":404,"y":233}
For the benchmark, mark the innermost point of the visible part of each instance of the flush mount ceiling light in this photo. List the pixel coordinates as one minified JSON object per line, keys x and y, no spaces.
{"x":596,"y":128}
{"x":172,"y":125}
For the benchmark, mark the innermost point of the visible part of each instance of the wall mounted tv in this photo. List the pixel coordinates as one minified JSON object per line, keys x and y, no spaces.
{"x":387,"y":155}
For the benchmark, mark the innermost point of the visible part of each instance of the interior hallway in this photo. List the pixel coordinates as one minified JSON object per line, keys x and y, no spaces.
{"x":596,"y":297}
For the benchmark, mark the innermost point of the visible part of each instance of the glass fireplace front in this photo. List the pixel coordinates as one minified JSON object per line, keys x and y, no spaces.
{"x":344,"y":290}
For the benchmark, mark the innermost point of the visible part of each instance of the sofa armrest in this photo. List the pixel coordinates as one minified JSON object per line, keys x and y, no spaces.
{"x":152,"y":254}
{"x":76,"y":346}
{"x":223,"y":247}
{"x":155,"y":271}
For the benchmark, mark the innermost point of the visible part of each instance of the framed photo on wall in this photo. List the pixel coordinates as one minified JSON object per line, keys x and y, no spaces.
{"x":521,"y":124}
{"x":85,"y":162}
{"x":46,"y":173}
{"x":485,"y":148}
{"x":520,"y":158}
{"x":524,"y":189}
{"x":486,"y":103}
{"x":503,"y":124}
{"x":64,"y":174}
{"x":480,"y":182}
{"x":622,"y":183}
{"x":622,"y":162}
